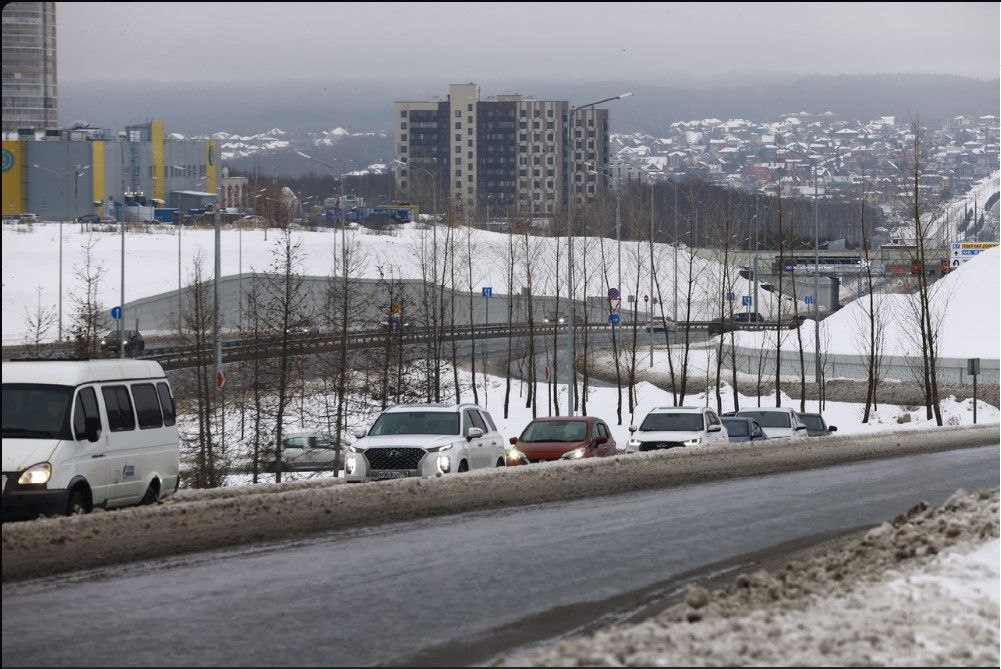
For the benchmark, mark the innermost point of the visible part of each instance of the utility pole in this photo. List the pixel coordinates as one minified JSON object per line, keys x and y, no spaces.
{"x":652,"y":298}
{"x":674,"y":184}
{"x":816,"y":288}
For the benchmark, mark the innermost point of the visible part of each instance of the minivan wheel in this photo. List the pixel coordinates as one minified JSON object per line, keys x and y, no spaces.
{"x":463,"y":466}
{"x":151,"y":496}
{"x":77,"y":502}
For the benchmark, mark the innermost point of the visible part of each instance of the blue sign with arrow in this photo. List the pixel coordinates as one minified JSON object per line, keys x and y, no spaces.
{"x":808,"y":299}
{"x":116,"y":313}
{"x":614,"y":319}
{"x":488,"y":291}
{"x":745,"y":300}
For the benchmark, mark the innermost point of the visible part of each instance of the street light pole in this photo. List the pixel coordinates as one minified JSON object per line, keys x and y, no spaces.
{"x":568,"y":176}
{"x":650,"y":313}
{"x":816,"y":287}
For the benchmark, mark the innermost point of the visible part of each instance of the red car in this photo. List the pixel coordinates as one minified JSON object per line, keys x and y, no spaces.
{"x":565,"y":437}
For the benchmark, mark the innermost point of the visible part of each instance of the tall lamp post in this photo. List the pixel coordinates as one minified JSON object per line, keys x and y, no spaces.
{"x":816,"y":286}
{"x":77,"y":173}
{"x":568,"y":151}
{"x":180,"y":328}
{"x":618,"y":222}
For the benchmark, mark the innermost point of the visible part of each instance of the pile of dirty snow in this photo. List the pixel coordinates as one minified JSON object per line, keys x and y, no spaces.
{"x":922,"y":590}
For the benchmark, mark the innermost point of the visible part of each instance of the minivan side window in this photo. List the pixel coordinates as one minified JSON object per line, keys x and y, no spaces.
{"x":86,"y":407}
{"x":166,"y":403}
{"x":489,"y":421}
{"x":119,"y":405}
{"x":147,"y":406}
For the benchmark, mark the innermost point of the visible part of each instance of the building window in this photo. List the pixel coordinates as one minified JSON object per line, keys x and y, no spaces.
{"x":549,"y":184}
{"x":403,"y":148}
{"x":403,"y":185}
{"x":403,"y":137}
{"x":469,"y":155}
{"x":403,"y":125}
{"x":458,"y":185}
{"x":458,"y":113}
{"x":469,"y":178}
{"x":458,"y":125}
{"x":403,"y":113}
{"x":458,"y":160}
{"x":535,"y":173}
{"x":458,"y":173}
{"x":537,"y":183}
{"x":523,"y":113}
{"x":458,"y":137}
{"x":523,"y":173}
{"x":469,"y":107}
{"x":469,"y":119}
{"x":469,"y":142}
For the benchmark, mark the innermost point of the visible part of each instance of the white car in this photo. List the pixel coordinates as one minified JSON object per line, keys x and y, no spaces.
{"x":674,"y":427}
{"x":425,"y":440}
{"x":776,"y":421}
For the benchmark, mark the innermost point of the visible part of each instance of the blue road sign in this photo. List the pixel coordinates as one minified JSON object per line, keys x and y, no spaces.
{"x":116,"y":313}
{"x":613,"y":294}
{"x":488,"y":291}
{"x":745,"y":300}
{"x":614,"y":319}
{"x":730,"y":296}
{"x":861,"y":293}
{"x":808,"y":299}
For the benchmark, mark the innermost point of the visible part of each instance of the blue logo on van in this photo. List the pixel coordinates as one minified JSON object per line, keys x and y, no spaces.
{"x":8,"y":160}
{"x":129,"y":470}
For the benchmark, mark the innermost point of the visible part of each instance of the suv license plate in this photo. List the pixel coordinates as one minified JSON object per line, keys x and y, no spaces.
{"x":395,"y":474}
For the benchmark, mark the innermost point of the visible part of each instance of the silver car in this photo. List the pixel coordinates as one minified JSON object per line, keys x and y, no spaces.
{"x":425,"y":440}
{"x":309,"y":451}
{"x":741,"y":428}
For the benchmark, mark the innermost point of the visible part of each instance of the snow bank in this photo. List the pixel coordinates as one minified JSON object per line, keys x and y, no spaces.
{"x":922,"y":591}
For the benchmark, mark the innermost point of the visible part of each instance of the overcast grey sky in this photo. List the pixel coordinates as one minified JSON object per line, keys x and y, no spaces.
{"x":642,"y":42}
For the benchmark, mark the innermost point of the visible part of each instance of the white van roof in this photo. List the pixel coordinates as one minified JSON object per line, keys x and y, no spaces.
{"x":76,"y":372}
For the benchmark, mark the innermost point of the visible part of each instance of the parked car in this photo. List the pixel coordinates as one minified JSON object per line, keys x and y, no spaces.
{"x":27,"y":218}
{"x":303,"y":328}
{"x":816,"y":426}
{"x":78,"y":435}
{"x":134,"y":342}
{"x":309,"y":451}
{"x":425,"y":440}
{"x":554,"y":318}
{"x":562,"y":437}
{"x":88,"y":218}
{"x":742,"y":429}
{"x":776,"y":421}
{"x":675,"y":427}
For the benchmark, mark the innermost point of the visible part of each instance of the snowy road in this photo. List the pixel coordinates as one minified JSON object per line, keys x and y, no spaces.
{"x":382,"y":595}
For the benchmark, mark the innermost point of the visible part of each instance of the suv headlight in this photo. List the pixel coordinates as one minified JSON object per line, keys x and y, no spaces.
{"x":695,"y":441}
{"x":350,"y":464}
{"x":437,"y":449}
{"x":36,"y":474}
{"x":634,"y":442}
{"x":444,"y":463}
{"x":575,"y":454}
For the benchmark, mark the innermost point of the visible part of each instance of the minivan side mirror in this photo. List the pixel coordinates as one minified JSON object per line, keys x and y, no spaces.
{"x":474,"y":433}
{"x":800,"y":427}
{"x":92,"y":428}
{"x":360,"y":432}
{"x":714,"y":428}
{"x":832,"y":428}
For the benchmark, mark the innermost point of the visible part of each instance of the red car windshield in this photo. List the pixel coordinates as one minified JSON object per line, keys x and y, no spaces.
{"x":553,"y":430}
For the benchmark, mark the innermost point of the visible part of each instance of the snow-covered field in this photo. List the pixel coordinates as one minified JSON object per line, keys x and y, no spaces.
{"x":31,"y":264}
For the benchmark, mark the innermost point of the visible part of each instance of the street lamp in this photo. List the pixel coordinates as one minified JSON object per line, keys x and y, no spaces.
{"x":180,"y":329}
{"x":571,"y":332}
{"x":77,"y":173}
{"x":816,"y":285}
{"x":618,"y":221}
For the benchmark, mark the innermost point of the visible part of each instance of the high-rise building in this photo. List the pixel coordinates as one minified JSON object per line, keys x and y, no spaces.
{"x":504,"y":155}
{"x":30,"y":93}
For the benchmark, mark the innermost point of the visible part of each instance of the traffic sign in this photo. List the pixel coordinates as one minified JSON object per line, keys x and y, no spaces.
{"x":745,"y":300}
{"x":613,"y":294}
{"x":614,"y":304}
{"x":116,"y":313}
{"x":220,"y":378}
{"x":488,"y":291}
{"x":614,"y":319}
{"x":646,"y":298}
{"x":808,"y":299}
{"x":730,"y":296}
{"x":630,"y":299}
{"x":394,"y":308}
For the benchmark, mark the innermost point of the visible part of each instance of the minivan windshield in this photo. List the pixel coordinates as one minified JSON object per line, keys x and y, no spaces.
{"x":555,"y":430}
{"x":36,"y":411}
{"x":672,"y":422}
{"x":416,"y":422}
{"x":768,"y":418}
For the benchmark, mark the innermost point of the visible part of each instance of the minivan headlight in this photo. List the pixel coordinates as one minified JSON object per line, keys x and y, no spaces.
{"x":350,"y":464}
{"x":36,"y":474}
{"x":575,"y":454}
{"x":695,"y":441}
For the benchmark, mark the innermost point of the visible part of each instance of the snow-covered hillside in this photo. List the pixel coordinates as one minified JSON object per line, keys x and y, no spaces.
{"x":30,"y":264}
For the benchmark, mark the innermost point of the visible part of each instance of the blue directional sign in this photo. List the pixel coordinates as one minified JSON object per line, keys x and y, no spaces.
{"x":613,"y":294}
{"x":861,"y":293}
{"x":730,"y":296}
{"x":116,"y":313}
{"x":614,"y":319}
{"x":745,"y":300}
{"x":488,"y":291}
{"x":808,"y":299}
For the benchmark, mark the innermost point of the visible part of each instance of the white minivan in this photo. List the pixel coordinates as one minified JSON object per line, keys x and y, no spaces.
{"x":84,"y":434}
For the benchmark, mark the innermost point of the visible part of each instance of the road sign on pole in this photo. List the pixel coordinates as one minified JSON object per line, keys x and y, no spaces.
{"x":808,"y":299}
{"x":613,"y":294}
{"x":614,"y":319}
{"x":730,"y":296}
{"x":614,"y":304}
{"x":488,"y":291}
{"x":646,"y":298}
{"x":745,"y":300}
{"x":220,"y":378}
{"x":116,"y":313}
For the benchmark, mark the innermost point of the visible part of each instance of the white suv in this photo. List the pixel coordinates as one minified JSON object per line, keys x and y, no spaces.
{"x":672,"y":427}
{"x":777,"y":421}
{"x":424,"y":440}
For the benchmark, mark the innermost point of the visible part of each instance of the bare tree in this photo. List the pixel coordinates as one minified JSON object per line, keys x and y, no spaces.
{"x":88,"y":317}
{"x":38,"y":323}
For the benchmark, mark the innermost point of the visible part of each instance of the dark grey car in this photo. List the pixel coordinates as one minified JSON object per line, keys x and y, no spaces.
{"x":816,"y":426}
{"x":741,"y":428}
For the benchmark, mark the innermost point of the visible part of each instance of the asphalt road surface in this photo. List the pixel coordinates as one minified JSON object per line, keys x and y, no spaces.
{"x":386,"y":594}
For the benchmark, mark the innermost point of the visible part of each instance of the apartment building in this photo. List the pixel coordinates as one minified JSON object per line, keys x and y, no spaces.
{"x":30,"y":98}
{"x":504,"y":155}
